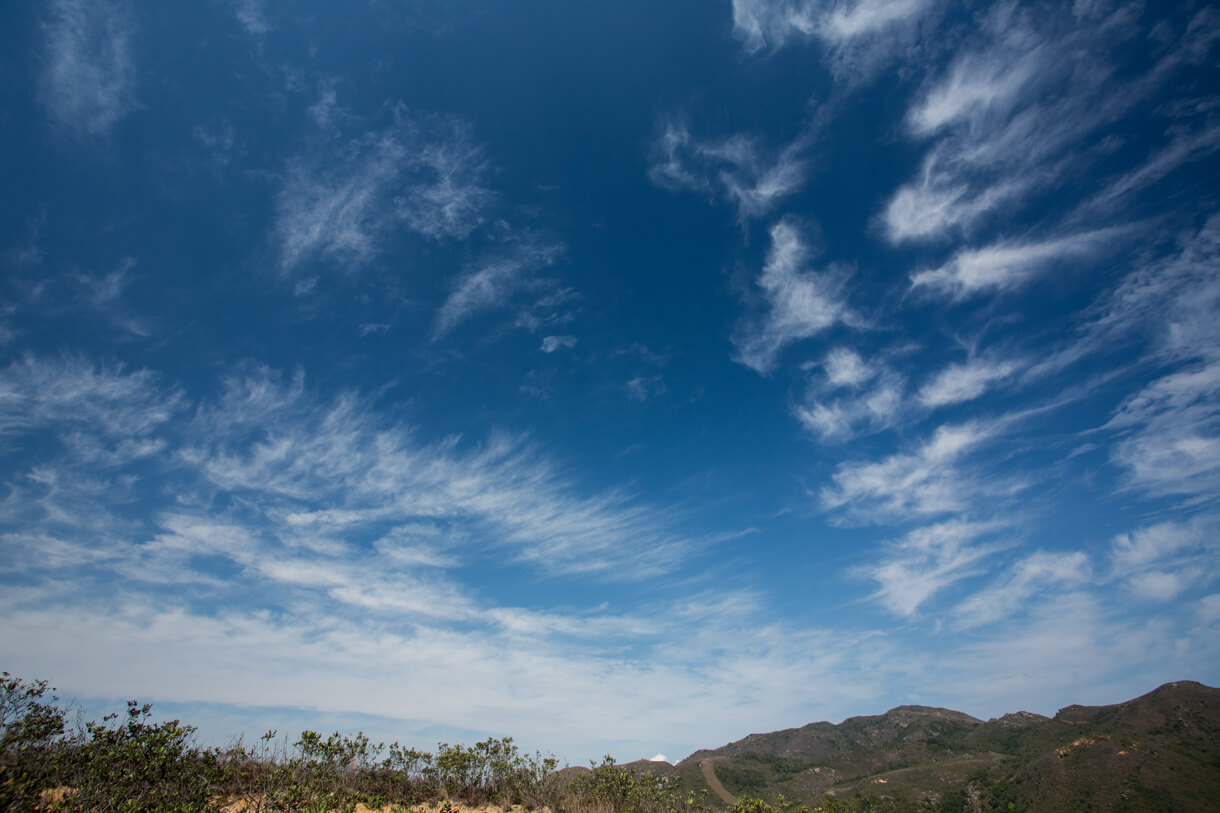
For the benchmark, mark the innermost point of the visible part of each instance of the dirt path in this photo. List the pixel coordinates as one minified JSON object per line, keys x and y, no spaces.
{"x":709,"y":776}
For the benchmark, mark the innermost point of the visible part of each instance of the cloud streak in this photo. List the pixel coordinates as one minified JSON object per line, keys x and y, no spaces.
{"x":1005,"y":266}
{"x":1013,"y":112}
{"x":88,"y":73}
{"x":422,"y":174}
{"x":747,"y":175}
{"x":773,"y":24}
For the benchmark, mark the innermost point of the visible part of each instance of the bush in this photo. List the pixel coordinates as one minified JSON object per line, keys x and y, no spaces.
{"x":139,"y":765}
{"x":608,"y":788}
{"x":31,"y":726}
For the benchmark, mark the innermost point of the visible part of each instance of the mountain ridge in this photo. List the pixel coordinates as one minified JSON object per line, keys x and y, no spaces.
{"x":1160,"y":748}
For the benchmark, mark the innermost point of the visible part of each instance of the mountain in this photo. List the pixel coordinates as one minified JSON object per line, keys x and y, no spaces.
{"x":1157,"y":752}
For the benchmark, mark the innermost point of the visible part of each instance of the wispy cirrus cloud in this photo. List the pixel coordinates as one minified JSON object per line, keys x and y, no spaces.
{"x":1170,"y":434}
{"x":309,"y":471}
{"x":493,"y":283}
{"x":797,"y":302}
{"x":1032,"y":574}
{"x":740,"y":169}
{"x":88,"y":73}
{"x":958,"y":383}
{"x":1011,"y":115}
{"x":929,"y":559}
{"x":339,"y":205}
{"x":908,"y":485}
{"x":1161,"y":561}
{"x":552,"y":343}
{"x":852,"y":396}
{"x":1007,"y":265}
{"x":252,"y":15}
{"x":774,"y":23}
{"x":305,"y":532}
{"x":113,"y":404}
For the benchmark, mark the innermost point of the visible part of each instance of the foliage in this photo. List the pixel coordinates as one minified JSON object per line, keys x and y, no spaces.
{"x":607,"y":787}
{"x":30,"y":726}
{"x":135,"y":764}
{"x":1157,"y":753}
{"x":138,"y":765}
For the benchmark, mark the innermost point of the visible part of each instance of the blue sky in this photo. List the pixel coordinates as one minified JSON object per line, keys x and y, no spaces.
{"x":621,"y":377}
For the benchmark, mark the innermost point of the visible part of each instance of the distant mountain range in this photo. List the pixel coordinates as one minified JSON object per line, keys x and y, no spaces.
{"x":1158,"y":752}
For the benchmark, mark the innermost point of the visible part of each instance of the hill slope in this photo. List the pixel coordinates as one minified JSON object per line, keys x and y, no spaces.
{"x":1160,"y":751}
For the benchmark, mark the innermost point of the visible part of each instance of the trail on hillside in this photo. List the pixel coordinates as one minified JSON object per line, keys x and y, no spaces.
{"x":709,"y":776}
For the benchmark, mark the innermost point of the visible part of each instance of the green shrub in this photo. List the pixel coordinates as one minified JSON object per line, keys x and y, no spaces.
{"x":608,"y":787}
{"x":138,"y":765}
{"x":31,"y":727}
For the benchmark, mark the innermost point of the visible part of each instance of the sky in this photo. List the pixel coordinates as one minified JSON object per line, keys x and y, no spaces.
{"x":622,"y":377}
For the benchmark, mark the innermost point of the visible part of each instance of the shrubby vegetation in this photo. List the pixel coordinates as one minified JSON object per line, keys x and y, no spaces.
{"x":128,"y":763}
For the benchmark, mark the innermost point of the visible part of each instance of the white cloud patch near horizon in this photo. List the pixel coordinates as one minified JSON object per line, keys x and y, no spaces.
{"x":286,"y":488}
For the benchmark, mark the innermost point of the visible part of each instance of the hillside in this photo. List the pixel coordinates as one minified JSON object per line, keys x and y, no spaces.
{"x":1160,"y":751}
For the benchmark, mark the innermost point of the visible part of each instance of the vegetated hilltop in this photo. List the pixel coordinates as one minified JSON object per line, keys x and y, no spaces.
{"x":1157,"y":752}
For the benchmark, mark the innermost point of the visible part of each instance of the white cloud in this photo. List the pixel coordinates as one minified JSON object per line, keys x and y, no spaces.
{"x":976,"y":85}
{"x":851,"y":20}
{"x":833,"y":415}
{"x":1158,"y":585}
{"x":1162,"y":561}
{"x":1171,"y":434}
{"x":1004,"y":266}
{"x":1185,"y":148}
{"x":642,"y":387}
{"x":773,"y":23}
{"x":1149,"y":546}
{"x":528,"y":682}
{"x":449,"y":199}
{"x":928,"y":560}
{"x":1035,"y":573}
{"x":845,"y":368}
{"x":1072,"y":647}
{"x":552,"y":343}
{"x":964,"y":382}
{"x":1018,"y":110}
{"x":493,"y":284}
{"x":422,"y":173}
{"x":668,"y":169}
{"x":799,"y":302}
{"x":911,"y":484}
{"x":938,"y":203}
{"x":750,"y":177}
{"x":300,"y":467}
{"x":115,"y":406}
{"x":88,"y":75}
{"x":252,"y":16}
{"x":1168,"y":304}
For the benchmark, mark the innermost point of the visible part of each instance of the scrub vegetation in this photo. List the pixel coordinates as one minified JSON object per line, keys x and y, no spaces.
{"x":1157,"y":752}
{"x":130,"y":763}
